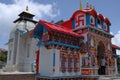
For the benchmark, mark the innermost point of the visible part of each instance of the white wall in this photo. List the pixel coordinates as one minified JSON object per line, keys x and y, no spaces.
{"x":26,"y":57}
{"x":46,"y":61}
{"x":57,"y":62}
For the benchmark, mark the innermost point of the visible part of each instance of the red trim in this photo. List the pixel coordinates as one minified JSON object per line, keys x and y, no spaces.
{"x":100,"y":16}
{"x":32,"y":32}
{"x":106,"y":30}
{"x":107,"y":21}
{"x":53,"y":27}
{"x":37,"y":61}
{"x":93,"y":25}
{"x":115,"y":46}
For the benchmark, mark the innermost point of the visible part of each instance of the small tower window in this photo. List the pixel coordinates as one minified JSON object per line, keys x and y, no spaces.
{"x":92,"y":20}
{"x":99,"y":23}
{"x":105,"y":26}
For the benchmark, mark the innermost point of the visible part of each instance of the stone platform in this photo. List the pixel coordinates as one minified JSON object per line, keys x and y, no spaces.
{"x":17,"y":76}
{"x":32,"y":76}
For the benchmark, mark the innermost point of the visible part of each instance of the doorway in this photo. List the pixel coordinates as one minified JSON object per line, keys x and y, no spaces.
{"x":100,"y":57}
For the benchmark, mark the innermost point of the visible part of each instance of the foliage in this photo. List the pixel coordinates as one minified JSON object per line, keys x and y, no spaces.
{"x":3,"y":56}
{"x":118,"y":63}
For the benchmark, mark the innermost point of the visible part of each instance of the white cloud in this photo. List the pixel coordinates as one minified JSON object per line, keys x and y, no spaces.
{"x":116,"y":40}
{"x":9,"y":12}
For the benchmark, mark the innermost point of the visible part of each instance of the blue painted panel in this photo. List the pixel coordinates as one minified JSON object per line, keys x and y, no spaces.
{"x":62,"y":44}
{"x":44,"y":30}
{"x":102,"y":23}
{"x":87,"y":19}
{"x":53,"y":59}
{"x":38,"y":32}
{"x":96,"y":24}
{"x":73,"y":24}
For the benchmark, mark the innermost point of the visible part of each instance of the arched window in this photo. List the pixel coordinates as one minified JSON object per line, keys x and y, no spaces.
{"x":76,"y":62}
{"x":92,"y":20}
{"x":99,"y":23}
{"x":93,"y":60}
{"x":63,"y":62}
{"x":105,"y":27}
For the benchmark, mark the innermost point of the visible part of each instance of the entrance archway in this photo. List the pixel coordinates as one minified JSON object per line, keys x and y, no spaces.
{"x":100,"y":56}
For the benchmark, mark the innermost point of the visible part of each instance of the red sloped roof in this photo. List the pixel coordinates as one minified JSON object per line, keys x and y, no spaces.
{"x":115,"y":46}
{"x":49,"y":26}
{"x":67,"y":25}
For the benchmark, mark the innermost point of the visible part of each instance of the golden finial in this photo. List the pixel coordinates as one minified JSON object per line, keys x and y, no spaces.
{"x":87,"y":5}
{"x":80,"y":4}
{"x":94,"y":7}
{"x":27,"y":8}
{"x":91,"y":7}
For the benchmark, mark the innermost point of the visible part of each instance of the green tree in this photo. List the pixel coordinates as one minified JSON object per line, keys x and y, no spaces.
{"x":3,"y":56}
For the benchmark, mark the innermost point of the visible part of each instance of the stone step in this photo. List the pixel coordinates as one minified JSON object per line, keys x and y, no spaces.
{"x":109,"y":78}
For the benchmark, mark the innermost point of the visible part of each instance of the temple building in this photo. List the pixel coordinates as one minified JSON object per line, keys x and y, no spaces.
{"x":71,"y":49}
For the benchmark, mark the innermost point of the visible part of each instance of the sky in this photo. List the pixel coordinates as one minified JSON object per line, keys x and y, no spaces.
{"x":54,"y":10}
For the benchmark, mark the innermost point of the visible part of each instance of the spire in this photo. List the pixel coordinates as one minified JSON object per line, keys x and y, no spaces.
{"x":27,"y":8}
{"x":87,"y":5}
{"x":91,"y":7}
{"x":80,"y":4}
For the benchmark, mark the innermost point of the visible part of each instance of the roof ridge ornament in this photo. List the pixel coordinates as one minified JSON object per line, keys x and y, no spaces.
{"x":27,"y":8}
{"x":91,"y":7}
{"x":80,"y":4}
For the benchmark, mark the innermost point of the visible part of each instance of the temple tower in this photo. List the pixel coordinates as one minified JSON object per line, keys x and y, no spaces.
{"x":19,"y":45}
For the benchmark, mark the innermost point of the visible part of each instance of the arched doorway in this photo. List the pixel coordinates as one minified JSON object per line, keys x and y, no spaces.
{"x":100,"y":57}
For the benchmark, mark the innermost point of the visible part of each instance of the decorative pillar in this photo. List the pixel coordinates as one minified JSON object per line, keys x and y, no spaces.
{"x":54,"y":61}
{"x":116,"y":68}
{"x":80,"y":62}
{"x":37,"y":61}
{"x":17,"y":50}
